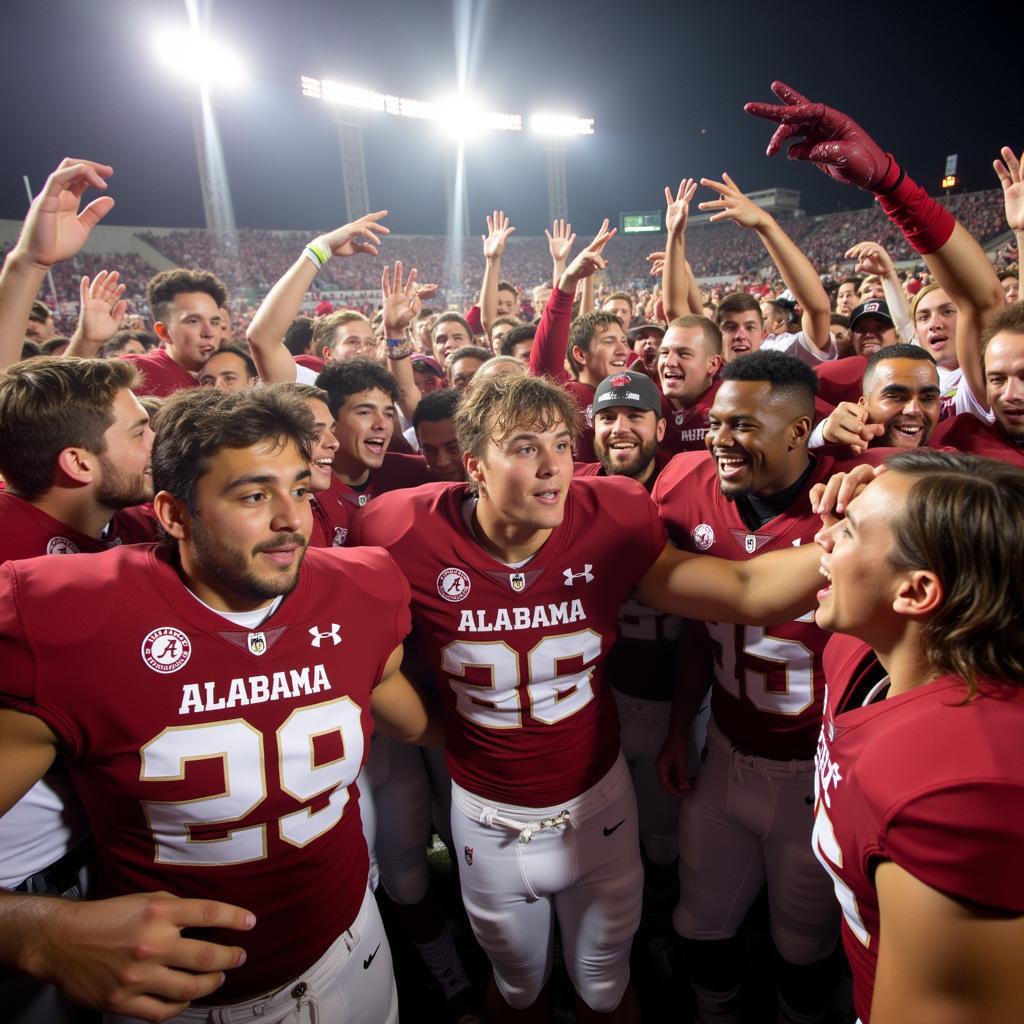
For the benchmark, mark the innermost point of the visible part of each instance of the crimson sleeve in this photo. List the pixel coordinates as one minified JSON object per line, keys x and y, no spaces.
{"x":965,"y":841}
{"x":472,"y":317}
{"x":547,"y":357}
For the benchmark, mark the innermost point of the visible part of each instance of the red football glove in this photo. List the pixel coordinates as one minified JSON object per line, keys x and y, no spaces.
{"x":833,"y":141}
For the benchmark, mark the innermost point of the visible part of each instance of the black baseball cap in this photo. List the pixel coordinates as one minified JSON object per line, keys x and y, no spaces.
{"x":873,"y":307}
{"x":629,"y":387}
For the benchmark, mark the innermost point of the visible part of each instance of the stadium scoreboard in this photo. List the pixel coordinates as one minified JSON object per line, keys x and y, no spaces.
{"x":643,"y":222}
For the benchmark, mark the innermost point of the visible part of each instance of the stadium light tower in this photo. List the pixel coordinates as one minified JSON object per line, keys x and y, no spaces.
{"x":556,"y":129}
{"x":205,"y":64}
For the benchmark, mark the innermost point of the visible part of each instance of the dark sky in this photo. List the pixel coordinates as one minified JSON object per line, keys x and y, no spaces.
{"x":666,"y":83}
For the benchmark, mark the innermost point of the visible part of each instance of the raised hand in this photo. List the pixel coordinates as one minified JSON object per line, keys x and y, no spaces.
{"x":589,"y":260}
{"x":426,"y":291}
{"x":101,"y":307}
{"x":498,"y":229}
{"x":677,"y":208}
{"x":733,"y":204}
{"x":848,"y":424}
{"x":360,"y":236}
{"x":1010,"y":177}
{"x":871,"y":258}
{"x":827,"y":137}
{"x":54,"y":229}
{"x":401,"y":303}
{"x":560,"y":239}
{"x":657,"y":263}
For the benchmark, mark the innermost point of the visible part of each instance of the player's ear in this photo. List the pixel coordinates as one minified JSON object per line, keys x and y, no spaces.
{"x":799,"y":429}
{"x":77,"y":464}
{"x":474,"y":468}
{"x":659,"y":433}
{"x":160,"y":329}
{"x":173,"y":515}
{"x":919,"y":594}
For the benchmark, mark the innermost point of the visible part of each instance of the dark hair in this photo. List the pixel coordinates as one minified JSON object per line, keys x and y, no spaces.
{"x":237,"y":350}
{"x":165,"y":286}
{"x":47,"y":405}
{"x":55,"y":345}
{"x":435,"y":406}
{"x":792,"y":380}
{"x":855,"y":281}
{"x":962,"y":521}
{"x":620,"y":295}
{"x":40,"y":312}
{"x":445,"y":318}
{"x":29,"y":349}
{"x":898,"y":351}
{"x":585,"y":327}
{"x":299,"y":335}
{"x":1010,"y":319}
{"x":738,"y":302}
{"x":349,"y":377}
{"x":524,"y":332}
{"x":119,"y":342}
{"x":507,"y":286}
{"x":470,"y":352}
{"x":839,"y":318}
{"x":195,"y":424}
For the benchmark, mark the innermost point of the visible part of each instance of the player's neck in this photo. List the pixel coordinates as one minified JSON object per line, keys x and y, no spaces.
{"x":903,"y":658}
{"x":510,"y":543}
{"x":351,"y":472}
{"x":75,"y":508}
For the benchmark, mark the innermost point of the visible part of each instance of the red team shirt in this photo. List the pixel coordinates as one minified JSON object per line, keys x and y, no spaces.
{"x":770,"y":685}
{"x":28,"y":531}
{"x":335,"y":508}
{"x":642,"y":663}
{"x":967,"y":433}
{"x":161,"y":375}
{"x":213,"y":761}
{"x":925,"y":781}
{"x":517,"y":654}
{"x":686,"y":429}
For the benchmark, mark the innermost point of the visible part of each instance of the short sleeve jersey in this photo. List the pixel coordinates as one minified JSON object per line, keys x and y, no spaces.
{"x":768,"y":679}
{"x":685,"y":429}
{"x":213,"y":761}
{"x":161,"y":375}
{"x":967,"y":433}
{"x":517,"y":653}
{"x":925,"y":781}
{"x":27,"y":531}
{"x":335,"y":509}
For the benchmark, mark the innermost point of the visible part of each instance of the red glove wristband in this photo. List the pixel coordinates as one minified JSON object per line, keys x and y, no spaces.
{"x":925,"y":224}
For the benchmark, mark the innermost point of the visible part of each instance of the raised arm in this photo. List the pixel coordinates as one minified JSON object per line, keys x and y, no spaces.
{"x":675,"y":284}
{"x":498,"y":229}
{"x":794,"y":267}
{"x":401,"y":303}
{"x":283,"y":302}
{"x":1010,"y":177}
{"x":547,"y":357}
{"x":843,"y":150}
{"x":872,"y":258}
{"x":560,"y":239}
{"x":54,"y":230}
{"x":100,"y":312}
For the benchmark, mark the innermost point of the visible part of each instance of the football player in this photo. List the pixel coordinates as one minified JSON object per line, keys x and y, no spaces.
{"x":517,"y":580}
{"x":210,"y":697}
{"x":919,"y":812}
{"x":747,"y":820}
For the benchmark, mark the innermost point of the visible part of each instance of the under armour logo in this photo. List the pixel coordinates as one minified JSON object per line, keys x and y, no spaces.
{"x":586,"y":575}
{"x":334,"y":634}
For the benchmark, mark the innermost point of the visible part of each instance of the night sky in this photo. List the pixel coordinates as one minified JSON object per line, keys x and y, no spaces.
{"x":666,"y":83}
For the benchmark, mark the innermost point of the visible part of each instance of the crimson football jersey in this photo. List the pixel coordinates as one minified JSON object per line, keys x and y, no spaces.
{"x":213,"y":761}
{"x":161,"y":375}
{"x":769,"y":683}
{"x":518,"y":653}
{"x":642,"y":662}
{"x":685,"y":429}
{"x":27,"y":531}
{"x":921,"y":779}
{"x":336,"y":508}
{"x":966,"y":433}
{"x":840,"y":380}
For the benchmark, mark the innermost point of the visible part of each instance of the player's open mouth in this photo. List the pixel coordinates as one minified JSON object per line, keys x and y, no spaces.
{"x":911,"y":434}
{"x":825,"y":591}
{"x":623,"y":446}
{"x":938,"y":342}
{"x":547,"y":497}
{"x":1013,"y":414}
{"x":869,"y":348}
{"x":730,"y":466}
{"x":376,"y":445}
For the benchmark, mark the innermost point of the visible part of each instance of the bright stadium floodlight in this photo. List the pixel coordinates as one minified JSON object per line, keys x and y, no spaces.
{"x":460,"y":118}
{"x":200,"y":59}
{"x":561,"y":124}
